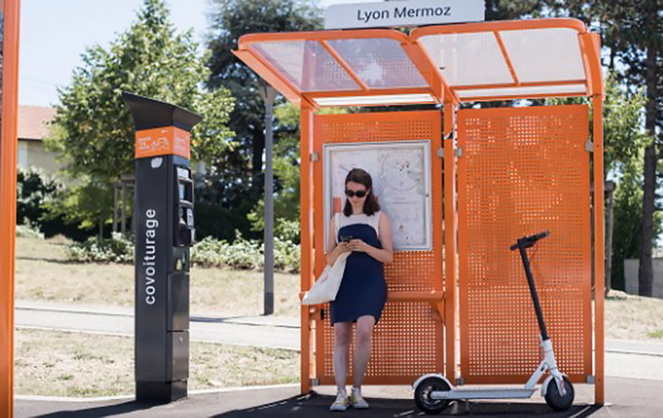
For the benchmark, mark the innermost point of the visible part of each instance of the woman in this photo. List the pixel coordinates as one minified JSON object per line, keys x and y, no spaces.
{"x":365,"y":231}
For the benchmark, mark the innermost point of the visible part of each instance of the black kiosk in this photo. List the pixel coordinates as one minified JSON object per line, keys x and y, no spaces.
{"x":164,"y":233}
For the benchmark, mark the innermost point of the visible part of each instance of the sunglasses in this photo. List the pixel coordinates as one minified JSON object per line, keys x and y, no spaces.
{"x":358,"y":193}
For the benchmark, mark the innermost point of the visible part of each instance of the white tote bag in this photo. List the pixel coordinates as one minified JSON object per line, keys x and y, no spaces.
{"x":326,"y":287}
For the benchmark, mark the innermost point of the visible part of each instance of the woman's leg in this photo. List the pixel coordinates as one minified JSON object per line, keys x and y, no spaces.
{"x":362,"y":348}
{"x":342,"y":339}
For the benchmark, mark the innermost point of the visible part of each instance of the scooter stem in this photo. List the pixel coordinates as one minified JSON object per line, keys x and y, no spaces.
{"x":532,"y":290}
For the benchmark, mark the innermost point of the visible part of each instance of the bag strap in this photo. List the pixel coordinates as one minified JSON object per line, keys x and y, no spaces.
{"x":337,"y":219}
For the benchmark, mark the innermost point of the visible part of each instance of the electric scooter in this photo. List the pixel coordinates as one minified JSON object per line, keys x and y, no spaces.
{"x":433,"y":392}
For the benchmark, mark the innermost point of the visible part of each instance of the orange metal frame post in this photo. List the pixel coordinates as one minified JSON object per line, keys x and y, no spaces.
{"x":306,"y":270}
{"x":307,"y":262}
{"x":8,"y":141}
{"x":594,"y":48}
{"x":450,"y":238}
{"x":599,"y":383}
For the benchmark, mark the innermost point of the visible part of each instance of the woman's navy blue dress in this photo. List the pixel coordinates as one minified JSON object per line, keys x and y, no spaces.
{"x":363,"y":289}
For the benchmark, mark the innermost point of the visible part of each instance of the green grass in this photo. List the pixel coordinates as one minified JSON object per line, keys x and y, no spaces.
{"x":657,"y":335}
{"x":43,"y":273}
{"x":630,"y":317}
{"x":87,"y":365}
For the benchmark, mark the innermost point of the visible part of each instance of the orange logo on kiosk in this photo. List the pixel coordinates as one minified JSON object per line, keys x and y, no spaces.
{"x":163,"y":141}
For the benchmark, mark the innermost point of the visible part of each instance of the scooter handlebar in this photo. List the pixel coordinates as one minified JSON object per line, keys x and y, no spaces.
{"x":529,"y":241}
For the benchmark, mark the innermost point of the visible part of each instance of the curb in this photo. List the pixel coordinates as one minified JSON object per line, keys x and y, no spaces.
{"x":633,"y":352}
{"x":195,"y":317}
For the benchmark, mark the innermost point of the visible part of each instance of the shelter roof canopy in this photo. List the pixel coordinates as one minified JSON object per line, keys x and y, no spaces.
{"x":466,"y":62}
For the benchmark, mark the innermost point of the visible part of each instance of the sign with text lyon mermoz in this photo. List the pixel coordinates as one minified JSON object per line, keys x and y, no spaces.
{"x":403,"y":13}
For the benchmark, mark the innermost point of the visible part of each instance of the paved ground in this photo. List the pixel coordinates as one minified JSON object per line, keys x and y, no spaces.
{"x":634,"y":376}
{"x":627,"y":398}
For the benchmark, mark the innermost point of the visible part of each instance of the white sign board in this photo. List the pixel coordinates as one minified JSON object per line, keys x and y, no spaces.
{"x":401,"y":176}
{"x":403,"y":13}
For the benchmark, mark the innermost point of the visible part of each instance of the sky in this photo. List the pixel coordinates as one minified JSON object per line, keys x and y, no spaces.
{"x":55,"y":33}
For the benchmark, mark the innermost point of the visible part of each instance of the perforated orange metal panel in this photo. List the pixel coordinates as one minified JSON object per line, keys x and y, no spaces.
{"x":523,"y":171}
{"x":408,"y":340}
{"x":407,"y":343}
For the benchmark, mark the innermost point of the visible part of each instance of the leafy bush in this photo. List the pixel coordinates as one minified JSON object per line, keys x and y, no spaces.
{"x":34,"y":188}
{"x":244,"y":253}
{"x":28,"y":230}
{"x":288,"y":230}
{"x":117,"y":249}
{"x":241,"y":254}
{"x":37,"y":193}
{"x":286,"y":255}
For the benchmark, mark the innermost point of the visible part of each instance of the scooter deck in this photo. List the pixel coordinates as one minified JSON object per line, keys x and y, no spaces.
{"x":518,"y":393}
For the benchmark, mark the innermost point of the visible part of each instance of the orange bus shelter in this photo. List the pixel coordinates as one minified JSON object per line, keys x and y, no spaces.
{"x":497,"y":174}
{"x":461,"y":308}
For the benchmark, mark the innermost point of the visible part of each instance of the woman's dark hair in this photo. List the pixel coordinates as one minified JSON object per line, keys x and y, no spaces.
{"x":357,"y":175}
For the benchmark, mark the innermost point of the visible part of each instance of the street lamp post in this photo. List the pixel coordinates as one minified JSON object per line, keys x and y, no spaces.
{"x":269,"y":95}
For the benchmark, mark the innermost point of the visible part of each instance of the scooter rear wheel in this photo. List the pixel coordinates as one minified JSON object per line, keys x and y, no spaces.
{"x":422,"y":395}
{"x":555,"y":400}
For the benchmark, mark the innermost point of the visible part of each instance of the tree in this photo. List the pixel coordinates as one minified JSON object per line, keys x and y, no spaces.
{"x":231,"y":19}
{"x":633,"y":39}
{"x":286,"y":173}
{"x":632,"y":35}
{"x":94,"y":131}
{"x":510,"y":9}
{"x":625,"y":139}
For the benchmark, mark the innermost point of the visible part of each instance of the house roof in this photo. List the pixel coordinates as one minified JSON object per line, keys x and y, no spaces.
{"x":32,"y":121}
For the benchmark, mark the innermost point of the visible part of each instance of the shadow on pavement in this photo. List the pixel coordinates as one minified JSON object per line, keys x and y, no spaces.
{"x":318,"y":405}
{"x":48,"y":260}
{"x":102,"y":411}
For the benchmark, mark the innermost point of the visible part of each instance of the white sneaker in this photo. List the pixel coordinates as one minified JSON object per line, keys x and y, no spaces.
{"x":341,"y":403}
{"x":356,"y":400}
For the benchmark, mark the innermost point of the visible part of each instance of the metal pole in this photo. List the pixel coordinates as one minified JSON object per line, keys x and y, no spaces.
{"x":115,"y":207}
{"x":609,"y":217}
{"x":269,"y":96}
{"x":124,"y":209}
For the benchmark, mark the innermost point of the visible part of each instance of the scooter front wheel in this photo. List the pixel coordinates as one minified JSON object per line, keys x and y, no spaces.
{"x":555,"y":400}
{"x":423,"y":391}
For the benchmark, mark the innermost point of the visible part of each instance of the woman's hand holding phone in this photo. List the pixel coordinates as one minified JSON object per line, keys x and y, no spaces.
{"x":348,"y":243}
{"x":344,"y":243}
{"x":358,"y":245}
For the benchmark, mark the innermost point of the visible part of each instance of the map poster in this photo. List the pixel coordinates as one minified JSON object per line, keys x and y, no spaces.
{"x":401,"y":182}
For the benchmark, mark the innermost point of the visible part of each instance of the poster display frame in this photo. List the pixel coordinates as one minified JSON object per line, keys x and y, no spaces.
{"x":353,"y":147}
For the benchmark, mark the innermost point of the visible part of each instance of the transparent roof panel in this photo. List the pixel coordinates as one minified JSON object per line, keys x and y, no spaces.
{"x":521,"y":91}
{"x":375,"y":100}
{"x":468,"y":58}
{"x":551,"y":54}
{"x":379,"y":62}
{"x":306,"y":64}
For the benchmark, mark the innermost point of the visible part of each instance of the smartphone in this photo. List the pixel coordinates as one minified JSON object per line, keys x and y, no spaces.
{"x":346,"y":238}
